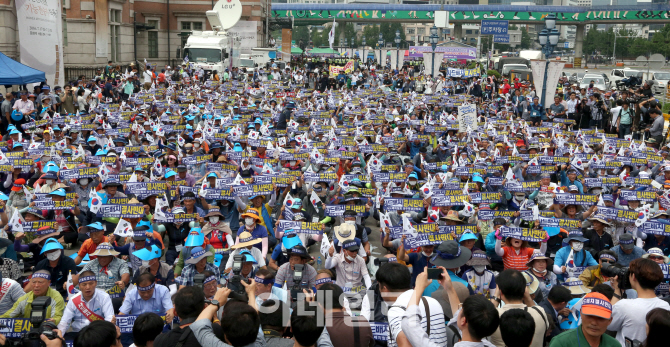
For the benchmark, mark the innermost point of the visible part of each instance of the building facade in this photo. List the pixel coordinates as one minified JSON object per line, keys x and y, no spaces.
{"x":155,"y":30}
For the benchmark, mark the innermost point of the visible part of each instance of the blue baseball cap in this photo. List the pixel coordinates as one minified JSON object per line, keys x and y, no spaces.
{"x":92,"y":139}
{"x":467,"y":236}
{"x":96,"y":226}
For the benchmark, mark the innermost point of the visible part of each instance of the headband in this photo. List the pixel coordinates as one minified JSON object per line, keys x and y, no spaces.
{"x":42,"y":275}
{"x":263,"y":280}
{"x":87,"y":279}
{"x":209,"y":279}
{"x":324,"y":280}
{"x":447,"y":256}
{"x":573,"y":284}
{"x":144,"y":289}
{"x":607,"y":256}
{"x":188,"y":198}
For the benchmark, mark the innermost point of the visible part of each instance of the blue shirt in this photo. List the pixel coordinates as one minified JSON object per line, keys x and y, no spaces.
{"x":259,"y":232}
{"x":418,"y":262}
{"x":565,"y":182}
{"x":625,"y":259}
{"x":159,"y":303}
{"x":652,"y":242}
{"x":579,"y":260}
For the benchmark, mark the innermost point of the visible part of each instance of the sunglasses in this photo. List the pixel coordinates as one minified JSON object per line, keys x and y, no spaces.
{"x":655,"y":257}
{"x":609,"y":261}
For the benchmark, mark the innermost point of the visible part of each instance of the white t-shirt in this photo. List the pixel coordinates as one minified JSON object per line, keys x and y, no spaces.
{"x":438,"y":330}
{"x":147,"y":76}
{"x":629,"y":318}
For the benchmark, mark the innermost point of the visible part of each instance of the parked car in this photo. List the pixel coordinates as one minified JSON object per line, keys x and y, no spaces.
{"x":618,"y":74}
{"x":598,"y":82}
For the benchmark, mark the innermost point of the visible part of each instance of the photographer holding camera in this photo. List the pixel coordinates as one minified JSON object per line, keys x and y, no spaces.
{"x":628,"y":315}
{"x":298,"y":257}
{"x":23,"y":307}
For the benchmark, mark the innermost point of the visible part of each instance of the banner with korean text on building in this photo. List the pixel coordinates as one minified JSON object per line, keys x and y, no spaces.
{"x":41,"y":37}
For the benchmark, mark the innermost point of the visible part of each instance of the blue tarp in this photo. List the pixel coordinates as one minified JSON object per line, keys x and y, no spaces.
{"x":14,"y":73}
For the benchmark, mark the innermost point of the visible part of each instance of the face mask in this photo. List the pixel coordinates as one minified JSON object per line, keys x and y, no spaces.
{"x":50,"y":182}
{"x":577,"y":246}
{"x":479,"y":268}
{"x":350,"y":222}
{"x":248,"y":221}
{"x":213,"y":220}
{"x":349,"y":258}
{"x":145,"y":263}
{"x":46,"y":159}
{"x":426,"y":254}
{"x":53,"y":256}
{"x":540,"y":272}
{"x":292,"y":162}
{"x":83,"y":181}
{"x":412,"y":182}
{"x":519,"y":198}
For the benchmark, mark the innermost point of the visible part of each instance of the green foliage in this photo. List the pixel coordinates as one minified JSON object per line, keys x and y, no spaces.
{"x":301,"y":33}
{"x":493,"y":73}
{"x":343,"y":30}
{"x":526,"y":40}
{"x":371,"y":33}
{"x":602,"y":42}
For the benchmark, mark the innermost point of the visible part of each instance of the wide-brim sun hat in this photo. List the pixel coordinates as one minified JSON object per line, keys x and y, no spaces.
{"x":345,"y":232}
{"x":538,"y":255}
{"x":246,"y":239}
{"x":531,"y":282}
{"x":576,"y":286}
{"x":657,"y":252}
{"x":450,"y":255}
{"x":479,"y":258}
{"x":105,"y":249}
{"x":197,"y":254}
{"x":601,"y":219}
{"x":252,"y":213}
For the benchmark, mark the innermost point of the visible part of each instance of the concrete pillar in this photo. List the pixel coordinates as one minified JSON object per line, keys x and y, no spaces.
{"x":579,"y":45}
{"x":458,"y":32}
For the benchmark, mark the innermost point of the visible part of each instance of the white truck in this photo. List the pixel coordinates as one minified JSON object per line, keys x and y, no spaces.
{"x":211,"y":50}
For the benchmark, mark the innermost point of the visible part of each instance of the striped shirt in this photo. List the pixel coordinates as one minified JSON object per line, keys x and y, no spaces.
{"x":512,"y":260}
{"x":438,"y":330}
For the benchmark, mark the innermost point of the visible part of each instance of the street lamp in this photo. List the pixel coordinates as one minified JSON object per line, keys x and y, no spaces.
{"x":353,"y":43}
{"x":433,"y":44}
{"x":380,"y":41}
{"x":397,"y":48}
{"x":548,"y":38}
{"x":364,"y":57}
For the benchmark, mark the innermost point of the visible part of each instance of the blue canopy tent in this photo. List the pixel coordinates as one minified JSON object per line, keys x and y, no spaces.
{"x":14,"y":73}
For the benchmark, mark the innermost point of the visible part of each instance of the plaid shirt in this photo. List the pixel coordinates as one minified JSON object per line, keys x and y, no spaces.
{"x":107,"y":277}
{"x":186,"y":278}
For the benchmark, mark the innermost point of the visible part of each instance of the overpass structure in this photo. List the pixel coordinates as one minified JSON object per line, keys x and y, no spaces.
{"x":316,"y":14}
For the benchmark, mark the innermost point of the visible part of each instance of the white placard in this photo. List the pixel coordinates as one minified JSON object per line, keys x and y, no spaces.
{"x":467,"y":115}
{"x":247,"y":32}
{"x":41,"y":37}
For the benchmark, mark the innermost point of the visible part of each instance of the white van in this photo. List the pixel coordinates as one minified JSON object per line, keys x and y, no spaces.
{"x":661,"y":78}
{"x":619,"y":74}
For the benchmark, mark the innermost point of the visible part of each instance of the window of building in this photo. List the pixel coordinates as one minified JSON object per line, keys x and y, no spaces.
{"x":114,"y":34}
{"x":191,"y":25}
{"x":411,"y":31}
{"x":153,"y":44}
{"x":421,"y":31}
{"x":468,"y":32}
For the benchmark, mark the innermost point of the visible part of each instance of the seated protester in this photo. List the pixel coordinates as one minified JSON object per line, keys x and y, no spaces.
{"x":596,"y":316}
{"x":146,"y":329}
{"x":140,"y":241}
{"x":627,"y":251}
{"x":89,"y":305}
{"x":592,"y":275}
{"x":151,"y":264}
{"x":188,"y":304}
{"x":34,"y":246}
{"x":177,"y":233}
{"x":252,"y":225}
{"x":97,"y":236}
{"x":297,"y":255}
{"x":65,"y":218}
{"x":246,"y":242}
{"x":555,"y":307}
{"x":516,"y":253}
{"x":147,"y":296}
{"x":517,"y":327}
{"x":345,"y":329}
{"x":10,"y":292}
{"x":350,"y":269}
{"x":209,"y":285}
{"x":41,"y":282}
{"x":279,"y":256}
{"x":265,"y":289}
{"x":258,"y":202}
{"x":350,"y":218}
{"x":197,"y":263}
{"x":481,"y":280}
{"x":539,"y":266}
{"x":580,"y":257}
{"x":195,"y":239}
{"x":274,"y":317}
{"x":110,"y":271}
{"x":597,"y":238}
{"x":417,"y":260}
{"x":57,"y":263}
{"x":218,"y":232}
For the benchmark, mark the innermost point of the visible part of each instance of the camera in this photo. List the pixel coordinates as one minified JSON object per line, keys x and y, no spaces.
{"x":622,"y":274}
{"x":37,"y":317}
{"x":632,"y":343}
{"x":235,"y":281}
{"x":298,"y":286}
{"x":383,"y":260}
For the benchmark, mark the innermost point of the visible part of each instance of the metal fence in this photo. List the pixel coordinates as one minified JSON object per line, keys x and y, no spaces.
{"x":72,"y":73}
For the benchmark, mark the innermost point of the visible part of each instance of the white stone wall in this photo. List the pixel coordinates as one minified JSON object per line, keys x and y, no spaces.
{"x":8,"y":32}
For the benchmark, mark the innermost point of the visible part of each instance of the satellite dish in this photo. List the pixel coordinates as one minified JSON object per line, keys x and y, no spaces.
{"x":656,"y":61}
{"x":225,"y":14}
{"x":641,"y":59}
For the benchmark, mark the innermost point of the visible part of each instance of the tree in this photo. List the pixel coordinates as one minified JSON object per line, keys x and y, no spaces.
{"x":526,"y":41}
{"x":346,"y":31}
{"x":371,"y":33}
{"x":301,"y":33}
